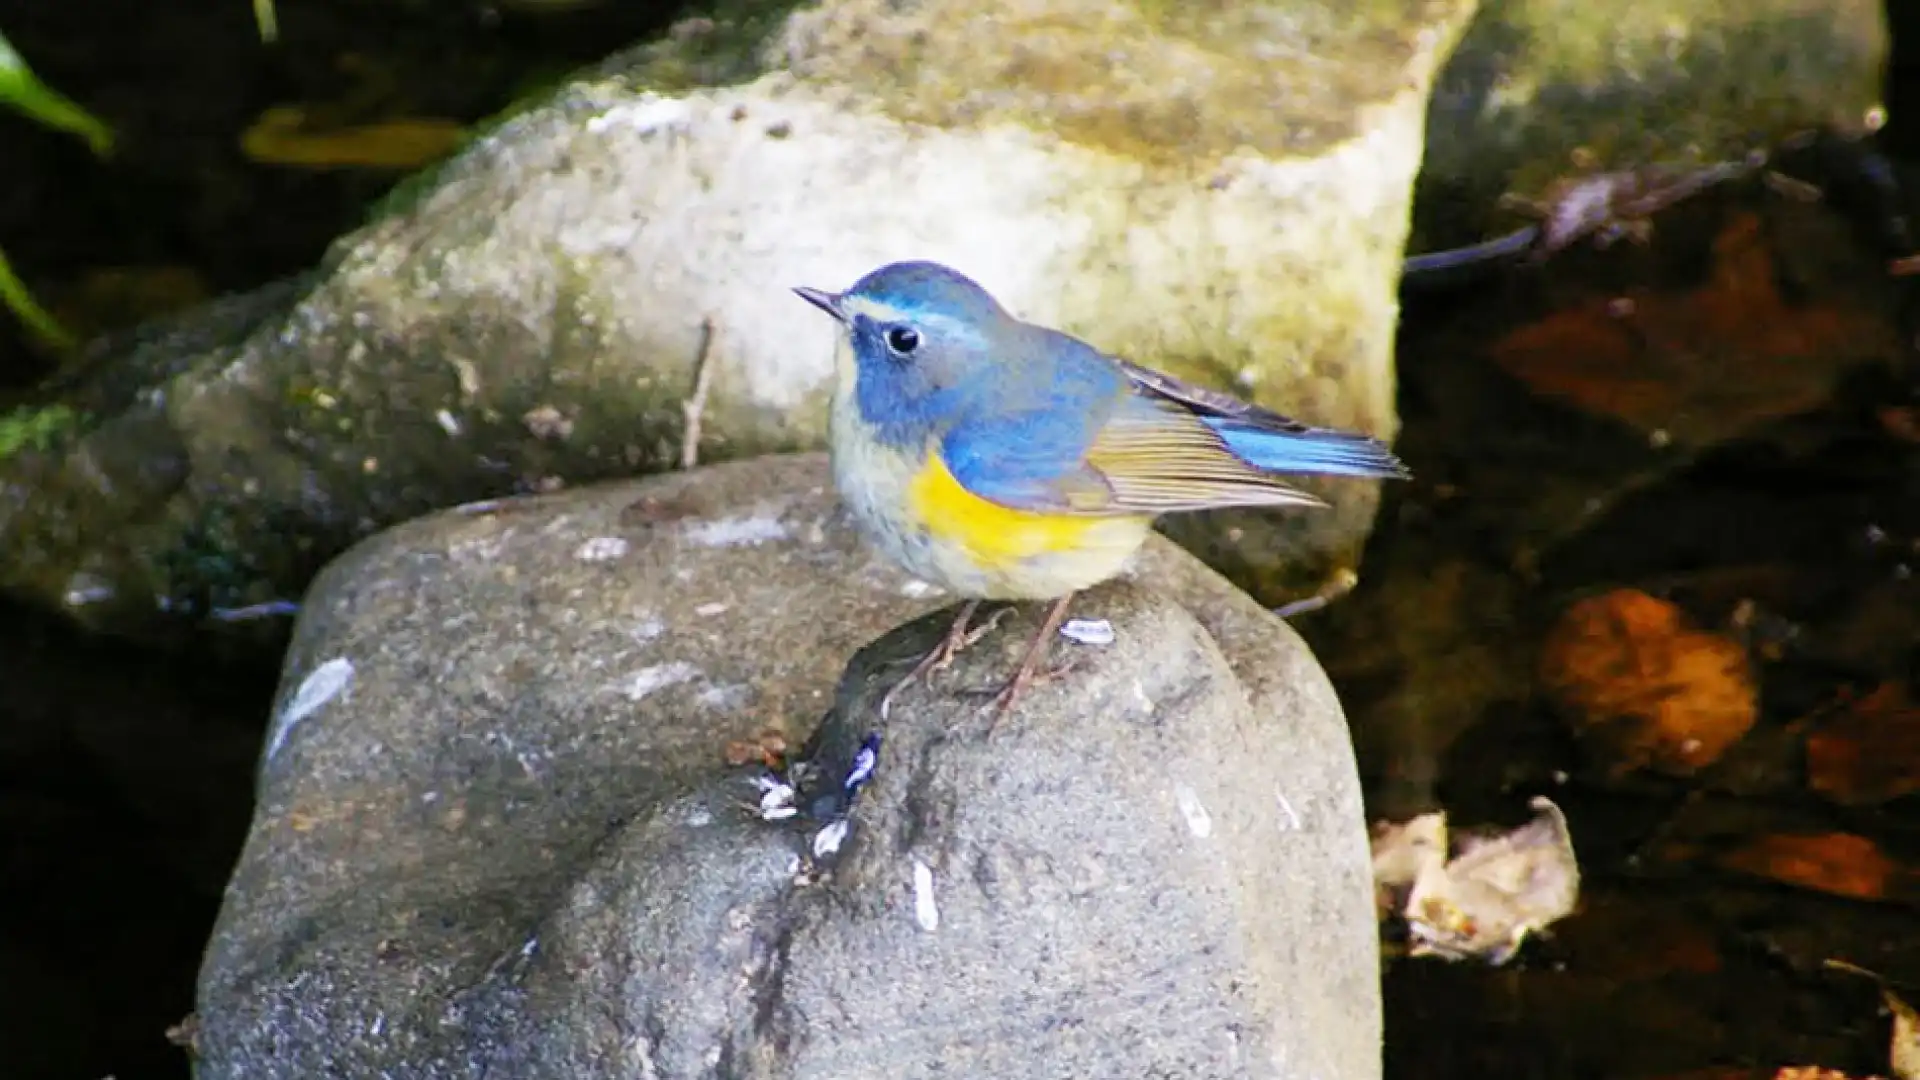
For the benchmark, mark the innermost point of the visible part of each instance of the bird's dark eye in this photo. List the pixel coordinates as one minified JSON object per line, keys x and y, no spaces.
{"x":902,"y":340}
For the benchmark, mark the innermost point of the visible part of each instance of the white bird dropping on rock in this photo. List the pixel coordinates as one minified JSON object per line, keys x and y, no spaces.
{"x":925,"y":911}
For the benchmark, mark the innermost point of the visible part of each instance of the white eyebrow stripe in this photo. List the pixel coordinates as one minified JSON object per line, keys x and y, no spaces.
{"x":943,"y":326}
{"x":874,"y":309}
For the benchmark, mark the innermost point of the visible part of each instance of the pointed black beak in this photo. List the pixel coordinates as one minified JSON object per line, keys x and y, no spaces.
{"x":825,"y":301}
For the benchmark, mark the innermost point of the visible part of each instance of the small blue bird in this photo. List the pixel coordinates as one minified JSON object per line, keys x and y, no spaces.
{"x":1005,"y":461}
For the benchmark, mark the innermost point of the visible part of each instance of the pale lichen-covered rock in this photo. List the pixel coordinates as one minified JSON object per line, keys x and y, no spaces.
{"x":1218,"y":188}
{"x":496,"y":834}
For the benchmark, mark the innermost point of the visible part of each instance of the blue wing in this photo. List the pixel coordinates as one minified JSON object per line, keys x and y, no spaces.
{"x":1108,"y":437}
{"x":1269,"y":440}
{"x":1024,"y":440}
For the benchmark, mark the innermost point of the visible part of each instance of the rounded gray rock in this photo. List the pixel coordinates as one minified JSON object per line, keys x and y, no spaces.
{"x":496,"y":835}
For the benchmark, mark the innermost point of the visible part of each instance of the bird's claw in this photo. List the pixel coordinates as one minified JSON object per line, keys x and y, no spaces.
{"x":957,"y":639}
{"x":954,"y":644}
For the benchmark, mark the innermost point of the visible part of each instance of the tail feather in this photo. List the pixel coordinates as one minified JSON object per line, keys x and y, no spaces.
{"x":1305,"y":449}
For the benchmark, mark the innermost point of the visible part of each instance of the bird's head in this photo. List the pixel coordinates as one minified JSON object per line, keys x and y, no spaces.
{"x":921,"y":335}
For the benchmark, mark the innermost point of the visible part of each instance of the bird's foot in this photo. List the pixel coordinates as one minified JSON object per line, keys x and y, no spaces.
{"x":1030,"y":670}
{"x":958,"y":638}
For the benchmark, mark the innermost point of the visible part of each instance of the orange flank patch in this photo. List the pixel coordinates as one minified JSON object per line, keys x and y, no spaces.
{"x":996,"y":536}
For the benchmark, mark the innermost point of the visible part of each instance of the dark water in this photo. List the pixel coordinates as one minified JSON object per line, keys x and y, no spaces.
{"x":125,"y":773}
{"x":180,"y":82}
{"x":1684,"y":955}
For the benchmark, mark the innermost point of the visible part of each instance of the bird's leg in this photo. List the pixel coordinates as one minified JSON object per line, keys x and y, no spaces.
{"x":941,"y":656}
{"x":1029,"y":671}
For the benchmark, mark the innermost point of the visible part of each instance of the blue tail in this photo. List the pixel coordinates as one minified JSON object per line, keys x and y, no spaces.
{"x":1302,"y":449}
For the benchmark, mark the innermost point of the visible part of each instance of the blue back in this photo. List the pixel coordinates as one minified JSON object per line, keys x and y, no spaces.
{"x":1032,"y":418}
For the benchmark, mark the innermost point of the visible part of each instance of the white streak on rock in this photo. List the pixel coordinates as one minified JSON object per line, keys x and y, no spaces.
{"x":648,"y":115}
{"x":658,"y":677}
{"x":726,"y":698}
{"x":737,"y":531}
{"x":925,"y":911}
{"x":321,"y":685}
{"x":1199,"y":822}
{"x":1289,"y":817}
{"x":602,"y":549}
{"x":828,"y":840}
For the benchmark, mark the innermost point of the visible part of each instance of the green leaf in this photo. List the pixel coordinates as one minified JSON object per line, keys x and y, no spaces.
{"x":267,"y":20}
{"x":13,"y":293}
{"x":20,"y":88}
{"x":37,"y":429}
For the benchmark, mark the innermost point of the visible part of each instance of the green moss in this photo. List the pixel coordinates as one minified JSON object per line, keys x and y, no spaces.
{"x":410,"y":189}
{"x":39,"y":429}
{"x":1529,"y":92}
{"x":725,"y":48}
{"x":1279,"y":79}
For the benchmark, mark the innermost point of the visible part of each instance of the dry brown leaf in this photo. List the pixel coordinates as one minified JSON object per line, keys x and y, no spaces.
{"x":1641,"y":688}
{"x":1401,"y":853}
{"x":1900,"y":421}
{"x":1838,"y":863}
{"x":1705,"y":364}
{"x":1870,"y":753}
{"x":1501,"y":887}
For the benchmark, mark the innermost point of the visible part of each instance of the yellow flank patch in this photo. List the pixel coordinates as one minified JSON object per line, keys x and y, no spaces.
{"x":995,"y":536}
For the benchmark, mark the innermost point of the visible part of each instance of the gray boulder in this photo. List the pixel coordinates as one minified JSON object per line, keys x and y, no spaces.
{"x":495,"y":834}
{"x":1221,"y":190}
{"x":1539,"y":90}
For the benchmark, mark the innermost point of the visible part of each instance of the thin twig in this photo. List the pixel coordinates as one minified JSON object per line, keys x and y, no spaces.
{"x":695,"y":406}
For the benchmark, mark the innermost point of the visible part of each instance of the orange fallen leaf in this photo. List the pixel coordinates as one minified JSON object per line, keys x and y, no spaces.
{"x":1871,"y":753}
{"x":1900,"y":421}
{"x":1641,"y":688}
{"x":1841,"y":864}
{"x":1703,"y":364}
